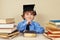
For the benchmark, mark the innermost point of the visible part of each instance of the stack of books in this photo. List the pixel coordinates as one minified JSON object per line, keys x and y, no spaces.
{"x":53,"y":29}
{"x":7,"y":28}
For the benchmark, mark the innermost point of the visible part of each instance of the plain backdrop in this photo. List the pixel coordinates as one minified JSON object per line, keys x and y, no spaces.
{"x":46,"y":9}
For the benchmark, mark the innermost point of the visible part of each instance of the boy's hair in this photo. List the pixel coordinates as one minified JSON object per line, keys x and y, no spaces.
{"x":33,"y":13}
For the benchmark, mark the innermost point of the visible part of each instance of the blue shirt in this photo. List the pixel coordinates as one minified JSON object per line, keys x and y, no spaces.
{"x":34,"y":26}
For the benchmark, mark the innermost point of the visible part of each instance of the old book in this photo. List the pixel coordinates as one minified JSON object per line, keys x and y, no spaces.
{"x":7,"y":20}
{"x":9,"y":35}
{"x":30,"y":34}
{"x":4,"y":35}
{"x":52,"y":35}
{"x":7,"y":25}
{"x":58,"y":26}
{"x":13,"y":33}
{"x":55,"y":22}
{"x":52,"y":30}
{"x":53,"y":26}
{"x":7,"y":30}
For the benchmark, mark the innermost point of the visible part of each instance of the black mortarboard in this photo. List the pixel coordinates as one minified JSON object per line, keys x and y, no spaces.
{"x":29,"y":7}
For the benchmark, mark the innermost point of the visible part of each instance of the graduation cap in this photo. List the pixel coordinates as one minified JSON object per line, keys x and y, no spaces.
{"x":29,"y":7}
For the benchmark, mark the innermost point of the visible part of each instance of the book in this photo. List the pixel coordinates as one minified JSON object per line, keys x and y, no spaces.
{"x":52,"y":30}
{"x":7,"y":30}
{"x":55,"y":22}
{"x":8,"y":35}
{"x":13,"y":34}
{"x":7,"y":25}
{"x":52,"y":35}
{"x":30,"y":34}
{"x":51,"y":26}
{"x":4,"y":35}
{"x":7,"y":21}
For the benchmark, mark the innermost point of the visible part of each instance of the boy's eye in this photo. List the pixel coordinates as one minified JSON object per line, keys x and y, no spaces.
{"x":27,"y":14}
{"x":31,"y":13}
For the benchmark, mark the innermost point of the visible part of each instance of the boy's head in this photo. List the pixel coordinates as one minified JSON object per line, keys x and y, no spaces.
{"x":28,"y":12}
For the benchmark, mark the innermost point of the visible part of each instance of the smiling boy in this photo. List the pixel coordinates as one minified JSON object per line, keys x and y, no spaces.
{"x":28,"y":24}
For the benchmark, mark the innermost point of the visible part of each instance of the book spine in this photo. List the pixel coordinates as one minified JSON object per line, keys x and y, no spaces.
{"x":7,"y":21}
{"x":7,"y":30}
{"x":7,"y":25}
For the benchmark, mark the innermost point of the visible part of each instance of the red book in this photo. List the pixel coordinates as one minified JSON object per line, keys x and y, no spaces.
{"x":52,"y":35}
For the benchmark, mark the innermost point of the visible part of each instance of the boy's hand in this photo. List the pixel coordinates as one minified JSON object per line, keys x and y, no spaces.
{"x":28,"y":22}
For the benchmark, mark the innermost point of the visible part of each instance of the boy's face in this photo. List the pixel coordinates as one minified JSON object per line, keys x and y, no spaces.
{"x":29,"y":16}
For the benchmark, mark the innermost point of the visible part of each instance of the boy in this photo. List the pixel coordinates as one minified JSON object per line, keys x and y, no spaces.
{"x":28,"y":24}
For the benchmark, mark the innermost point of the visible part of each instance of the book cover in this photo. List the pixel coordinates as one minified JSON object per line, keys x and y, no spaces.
{"x":9,"y":35}
{"x":7,"y":30}
{"x":53,"y":27}
{"x":7,"y":25}
{"x":52,"y":35}
{"x":30,"y":34}
{"x":55,"y":22}
{"x":7,"y":21}
{"x":52,"y":30}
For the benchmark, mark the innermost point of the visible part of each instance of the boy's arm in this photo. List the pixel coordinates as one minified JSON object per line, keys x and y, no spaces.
{"x":21,"y":26}
{"x":38,"y":28}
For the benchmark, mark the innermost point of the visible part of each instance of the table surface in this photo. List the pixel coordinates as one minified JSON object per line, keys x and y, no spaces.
{"x":39,"y":37}
{"x":19,"y":37}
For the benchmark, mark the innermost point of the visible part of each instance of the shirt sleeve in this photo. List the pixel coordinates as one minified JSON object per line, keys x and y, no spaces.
{"x":21,"y":26}
{"x":38,"y":28}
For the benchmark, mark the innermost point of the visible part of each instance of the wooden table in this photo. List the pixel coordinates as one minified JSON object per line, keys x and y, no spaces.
{"x":39,"y":37}
{"x":19,"y":37}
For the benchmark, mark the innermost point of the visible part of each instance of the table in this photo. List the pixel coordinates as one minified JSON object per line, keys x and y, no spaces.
{"x":39,"y":37}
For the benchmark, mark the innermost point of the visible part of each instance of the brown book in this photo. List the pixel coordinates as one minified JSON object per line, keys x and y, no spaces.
{"x":8,"y":35}
{"x":53,"y":26}
{"x":52,"y":30}
{"x":4,"y":35}
{"x":30,"y":34}
{"x":7,"y":20}
{"x":13,"y":33}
